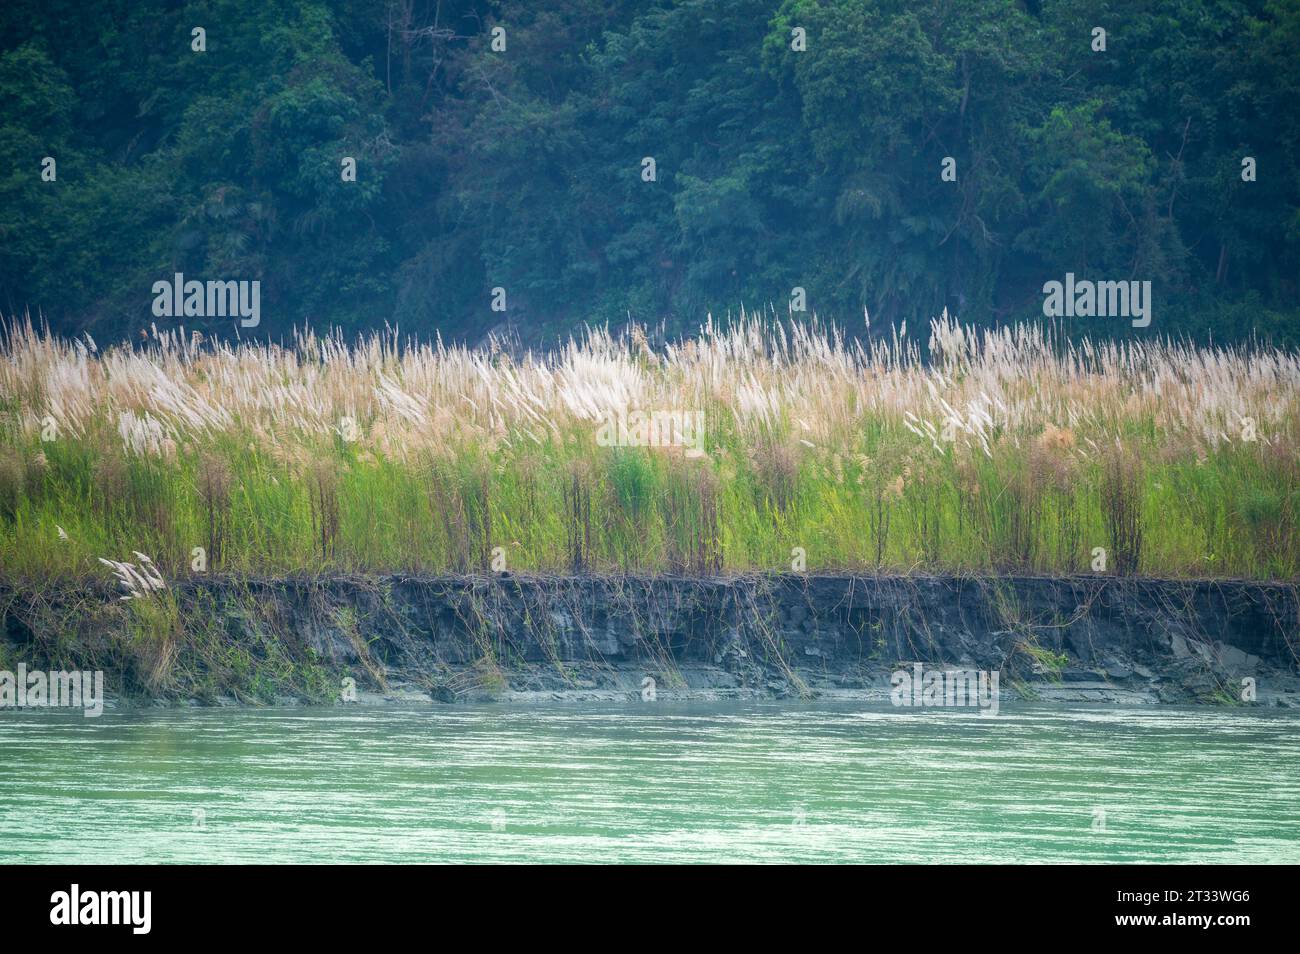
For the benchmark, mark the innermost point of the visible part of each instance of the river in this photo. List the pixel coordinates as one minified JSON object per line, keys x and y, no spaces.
{"x":651,"y":782}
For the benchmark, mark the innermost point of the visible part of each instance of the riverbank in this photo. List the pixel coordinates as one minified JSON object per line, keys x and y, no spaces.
{"x":445,"y":639}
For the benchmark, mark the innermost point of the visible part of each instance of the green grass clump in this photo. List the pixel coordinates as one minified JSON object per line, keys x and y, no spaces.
{"x":1007,"y":453}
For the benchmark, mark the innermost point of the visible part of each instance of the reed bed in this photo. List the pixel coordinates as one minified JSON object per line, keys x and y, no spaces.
{"x":972,"y":451}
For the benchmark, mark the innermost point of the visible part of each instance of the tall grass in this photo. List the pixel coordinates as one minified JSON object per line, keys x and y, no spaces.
{"x":999,"y":450}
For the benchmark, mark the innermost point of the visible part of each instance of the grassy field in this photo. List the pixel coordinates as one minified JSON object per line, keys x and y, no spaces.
{"x":999,"y":451}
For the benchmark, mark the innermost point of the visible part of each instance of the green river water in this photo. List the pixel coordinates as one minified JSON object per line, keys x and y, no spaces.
{"x":651,"y":783}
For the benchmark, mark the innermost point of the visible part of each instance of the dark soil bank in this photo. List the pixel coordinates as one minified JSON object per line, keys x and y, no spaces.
{"x":515,"y":638}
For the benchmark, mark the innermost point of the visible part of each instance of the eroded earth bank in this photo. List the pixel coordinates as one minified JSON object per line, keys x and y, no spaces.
{"x":512,"y":638}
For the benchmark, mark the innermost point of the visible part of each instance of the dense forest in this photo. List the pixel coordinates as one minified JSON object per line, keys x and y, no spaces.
{"x":897,"y":156}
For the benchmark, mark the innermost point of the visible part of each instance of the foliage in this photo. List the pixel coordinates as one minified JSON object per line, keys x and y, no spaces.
{"x":1004,"y":451}
{"x":776,"y":168}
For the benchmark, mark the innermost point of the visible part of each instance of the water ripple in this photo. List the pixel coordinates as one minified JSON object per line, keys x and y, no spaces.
{"x":651,"y":783}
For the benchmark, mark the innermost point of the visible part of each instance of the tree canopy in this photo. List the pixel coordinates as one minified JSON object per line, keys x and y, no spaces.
{"x":794,"y":144}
